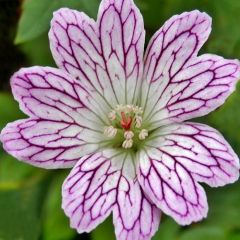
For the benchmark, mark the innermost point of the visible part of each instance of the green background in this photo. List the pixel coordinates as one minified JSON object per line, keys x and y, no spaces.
{"x":30,"y":198}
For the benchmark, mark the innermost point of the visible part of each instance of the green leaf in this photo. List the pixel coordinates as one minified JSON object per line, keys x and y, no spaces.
{"x":225,"y":38}
{"x":9,"y":109}
{"x":38,"y":51}
{"x":234,"y":235}
{"x":224,"y":207}
{"x":104,"y":231}
{"x":56,"y":225}
{"x":203,"y":232}
{"x":19,"y":214}
{"x":13,"y":173}
{"x":168,"y":229}
{"x":22,"y":189}
{"x":36,"y":15}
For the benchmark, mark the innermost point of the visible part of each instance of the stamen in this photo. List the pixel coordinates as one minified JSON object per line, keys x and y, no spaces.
{"x":126,"y":121}
{"x":138,"y":110}
{"x":110,"y":131}
{"x":127,"y":143}
{"x":129,"y":108}
{"x":138,"y":121}
{"x":128,"y":134}
{"x":112,"y":115}
{"x":143,"y":134}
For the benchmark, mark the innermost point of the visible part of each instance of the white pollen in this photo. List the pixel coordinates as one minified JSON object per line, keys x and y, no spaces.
{"x":129,"y":108}
{"x":143,"y":134}
{"x":127,"y":143}
{"x":128,"y":134}
{"x":112,"y":115}
{"x":138,"y":121}
{"x":110,"y":131}
{"x":138,"y":110}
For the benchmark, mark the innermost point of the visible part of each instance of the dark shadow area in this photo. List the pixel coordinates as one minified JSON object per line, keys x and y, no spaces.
{"x":10,"y":58}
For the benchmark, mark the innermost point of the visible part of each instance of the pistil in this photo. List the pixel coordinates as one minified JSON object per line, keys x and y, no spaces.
{"x":125,"y":121}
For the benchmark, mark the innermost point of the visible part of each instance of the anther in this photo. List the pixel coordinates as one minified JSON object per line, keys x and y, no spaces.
{"x":138,"y":120}
{"x":112,"y":115}
{"x":143,"y":134}
{"x":138,"y":110}
{"x":127,"y":143}
{"x":128,"y":135}
{"x":110,"y":131}
{"x":129,"y":108}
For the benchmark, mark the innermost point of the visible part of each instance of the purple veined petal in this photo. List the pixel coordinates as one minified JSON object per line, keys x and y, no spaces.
{"x":180,"y":84}
{"x":97,"y":186}
{"x":176,"y":159}
{"x":105,"y":55}
{"x":62,"y":127}
{"x":202,"y":150}
{"x":89,"y":192}
{"x":122,"y":36}
{"x":48,"y":143}
{"x":51,"y":94}
{"x":196,"y":90}
{"x":134,"y":216}
{"x":75,"y":46}
{"x":172,"y":46}
{"x":173,"y":191}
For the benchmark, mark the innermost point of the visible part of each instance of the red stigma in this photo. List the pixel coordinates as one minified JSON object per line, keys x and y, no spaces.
{"x":125,"y":121}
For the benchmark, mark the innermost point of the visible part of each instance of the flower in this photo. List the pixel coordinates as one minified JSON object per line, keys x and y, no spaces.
{"x":118,"y":118}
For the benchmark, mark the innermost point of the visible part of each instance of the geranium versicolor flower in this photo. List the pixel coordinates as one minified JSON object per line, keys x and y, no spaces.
{"x":117,"y":117}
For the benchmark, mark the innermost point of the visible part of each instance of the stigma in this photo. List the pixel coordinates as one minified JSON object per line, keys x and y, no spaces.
{"x":125,"y":124}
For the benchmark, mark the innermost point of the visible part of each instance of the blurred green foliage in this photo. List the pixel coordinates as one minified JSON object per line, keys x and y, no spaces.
{"x":30,"y":198}
{"x":55,"y":224}
{"x":37,"y":15}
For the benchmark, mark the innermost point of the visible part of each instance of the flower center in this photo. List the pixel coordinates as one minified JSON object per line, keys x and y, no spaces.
{"x":125,"y":126}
